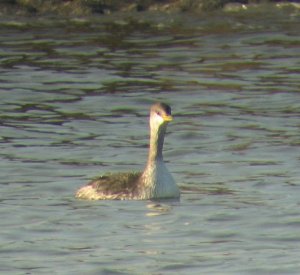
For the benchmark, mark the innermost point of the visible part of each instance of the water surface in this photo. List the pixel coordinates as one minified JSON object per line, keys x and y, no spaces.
{"x":74,"y":104}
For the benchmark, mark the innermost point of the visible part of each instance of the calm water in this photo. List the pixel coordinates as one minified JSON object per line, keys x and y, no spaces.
{"x":74,"y":104}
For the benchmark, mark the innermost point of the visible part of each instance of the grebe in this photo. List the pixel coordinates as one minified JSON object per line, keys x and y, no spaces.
{"x":155,"y":182}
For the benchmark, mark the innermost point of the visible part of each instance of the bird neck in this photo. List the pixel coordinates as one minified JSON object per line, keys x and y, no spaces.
{"x":157,"y":135}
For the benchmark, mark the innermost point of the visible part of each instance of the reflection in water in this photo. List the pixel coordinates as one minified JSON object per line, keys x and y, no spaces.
{"x":158,"y":209}
{"x":73,"y":101}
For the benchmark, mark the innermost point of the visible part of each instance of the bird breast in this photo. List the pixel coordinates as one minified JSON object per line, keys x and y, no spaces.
{"x":158,"y":181}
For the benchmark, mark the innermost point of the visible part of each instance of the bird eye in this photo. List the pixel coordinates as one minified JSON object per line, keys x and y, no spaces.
{"x":158,"y":113}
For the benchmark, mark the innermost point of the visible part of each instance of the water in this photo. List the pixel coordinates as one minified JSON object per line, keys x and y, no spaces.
{"x":74,"y":104}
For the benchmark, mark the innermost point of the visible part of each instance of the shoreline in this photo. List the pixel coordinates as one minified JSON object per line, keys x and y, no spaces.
{"x":74,"y":8}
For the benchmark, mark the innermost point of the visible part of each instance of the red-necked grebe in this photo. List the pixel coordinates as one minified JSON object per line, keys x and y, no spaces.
{"x":155,"y":182}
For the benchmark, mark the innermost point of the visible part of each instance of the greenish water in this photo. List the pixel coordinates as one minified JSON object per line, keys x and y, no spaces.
{"x":74,"y":103}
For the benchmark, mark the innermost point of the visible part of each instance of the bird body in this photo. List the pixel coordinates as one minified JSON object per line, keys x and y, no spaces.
{"x":158,"y":182}
{"x":155,"y":182}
